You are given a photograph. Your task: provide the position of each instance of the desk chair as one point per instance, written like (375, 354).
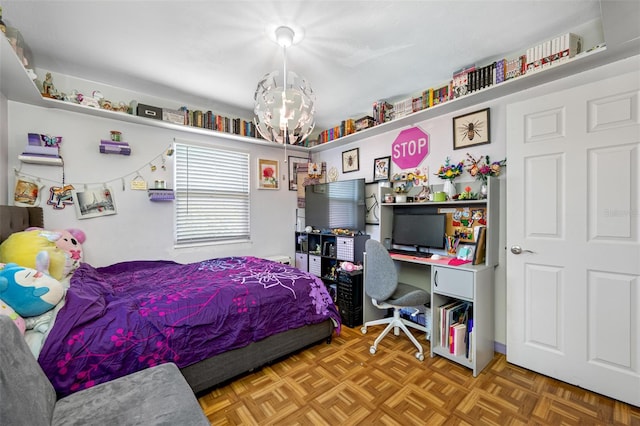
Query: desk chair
(381, 284)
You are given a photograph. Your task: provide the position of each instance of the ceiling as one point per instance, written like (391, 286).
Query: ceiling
(212, 53)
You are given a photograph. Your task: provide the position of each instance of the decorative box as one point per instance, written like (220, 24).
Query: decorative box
(364, 123)
(174, 116)
(149, 111)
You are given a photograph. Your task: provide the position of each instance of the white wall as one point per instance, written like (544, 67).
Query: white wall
(141, 229)
(4, 142)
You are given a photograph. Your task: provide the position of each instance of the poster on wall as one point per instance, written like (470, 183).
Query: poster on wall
(94, 203)
(309, 174)
(27, 193)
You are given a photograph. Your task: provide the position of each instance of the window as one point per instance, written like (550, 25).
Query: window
(212, 195)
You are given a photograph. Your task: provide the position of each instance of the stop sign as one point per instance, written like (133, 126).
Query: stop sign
(410, 148)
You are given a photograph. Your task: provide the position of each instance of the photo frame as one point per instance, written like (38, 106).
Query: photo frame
(293, 175)
(351, 160)
(471, 129)
(268, 172)
(372, 204)
(381, 167)
(94, 202)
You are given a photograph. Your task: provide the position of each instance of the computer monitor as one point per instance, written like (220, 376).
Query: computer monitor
(420, 231)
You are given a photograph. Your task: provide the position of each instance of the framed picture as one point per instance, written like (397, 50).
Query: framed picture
(381, 168)
(350, 161)
(268, 174)
(471, 129)
(94, 203)
(293, 176)
(372, 216)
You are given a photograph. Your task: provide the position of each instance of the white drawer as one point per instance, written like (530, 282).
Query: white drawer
(345, 248)
(314, 265)
(452, 282)
(301, 262)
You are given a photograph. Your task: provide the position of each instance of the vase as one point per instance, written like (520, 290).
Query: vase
(483, 190)
(449, 188)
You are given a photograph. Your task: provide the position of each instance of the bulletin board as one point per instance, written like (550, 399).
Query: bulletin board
(462, 221)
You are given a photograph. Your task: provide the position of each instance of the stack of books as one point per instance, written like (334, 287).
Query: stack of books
(113, 147)
(42, 149)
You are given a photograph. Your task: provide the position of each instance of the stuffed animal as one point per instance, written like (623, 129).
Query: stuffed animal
(28, 291)
(17, 319)
(62, 250)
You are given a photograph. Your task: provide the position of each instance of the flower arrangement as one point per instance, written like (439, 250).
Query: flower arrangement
(450, 171)
(483, 167)
(467, 194)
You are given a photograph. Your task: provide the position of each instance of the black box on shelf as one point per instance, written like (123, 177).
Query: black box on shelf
(149, 111)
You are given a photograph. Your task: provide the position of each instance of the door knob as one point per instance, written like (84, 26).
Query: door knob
(519, 250)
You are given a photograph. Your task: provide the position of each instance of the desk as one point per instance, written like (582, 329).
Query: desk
(448, 283)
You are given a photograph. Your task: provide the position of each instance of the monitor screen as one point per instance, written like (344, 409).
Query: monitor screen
(419, 230)
(337, 204)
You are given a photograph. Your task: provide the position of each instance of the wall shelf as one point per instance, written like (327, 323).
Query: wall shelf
(579, 63)
(17, 86)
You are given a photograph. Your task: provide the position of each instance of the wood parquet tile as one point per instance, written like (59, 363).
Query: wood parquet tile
(343, 384)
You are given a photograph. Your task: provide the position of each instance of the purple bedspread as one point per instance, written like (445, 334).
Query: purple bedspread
(128, 316)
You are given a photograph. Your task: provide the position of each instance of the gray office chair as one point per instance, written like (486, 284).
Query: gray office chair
(381, 284)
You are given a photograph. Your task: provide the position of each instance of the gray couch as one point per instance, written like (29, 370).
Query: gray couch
(156, 396)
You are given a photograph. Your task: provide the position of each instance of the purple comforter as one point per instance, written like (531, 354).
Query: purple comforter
(128, 316)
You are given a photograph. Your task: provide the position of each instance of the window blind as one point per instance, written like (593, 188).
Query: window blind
(212, 194)
(342, 210)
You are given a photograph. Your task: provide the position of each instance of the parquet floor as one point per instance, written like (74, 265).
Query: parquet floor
(343, 384)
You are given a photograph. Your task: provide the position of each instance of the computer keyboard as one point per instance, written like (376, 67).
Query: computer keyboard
(410, 253)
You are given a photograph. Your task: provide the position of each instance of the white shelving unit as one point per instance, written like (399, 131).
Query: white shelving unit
(16, 85)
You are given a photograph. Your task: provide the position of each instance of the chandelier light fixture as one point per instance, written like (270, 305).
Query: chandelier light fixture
(284, 102)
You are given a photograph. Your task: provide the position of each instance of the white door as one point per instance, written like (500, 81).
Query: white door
(573, 292)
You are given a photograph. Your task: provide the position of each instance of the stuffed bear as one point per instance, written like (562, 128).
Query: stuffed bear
(28, 291)
(62, 249)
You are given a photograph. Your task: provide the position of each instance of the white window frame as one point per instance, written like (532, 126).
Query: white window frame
(212, 195)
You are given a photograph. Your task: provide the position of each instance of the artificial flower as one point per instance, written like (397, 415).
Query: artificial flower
(482, 168)
(450, 171)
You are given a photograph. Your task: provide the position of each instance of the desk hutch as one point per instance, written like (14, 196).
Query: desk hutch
(448, 283)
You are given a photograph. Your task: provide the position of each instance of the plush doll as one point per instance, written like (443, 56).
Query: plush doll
(28, 291)
(11, 313)
(61, 249)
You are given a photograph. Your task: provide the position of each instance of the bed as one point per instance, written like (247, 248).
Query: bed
(215, 319)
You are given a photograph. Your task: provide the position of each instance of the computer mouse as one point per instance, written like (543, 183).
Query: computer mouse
(435, 257)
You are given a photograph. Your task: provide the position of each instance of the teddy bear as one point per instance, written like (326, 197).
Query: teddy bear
(60, 249)
(29, 291)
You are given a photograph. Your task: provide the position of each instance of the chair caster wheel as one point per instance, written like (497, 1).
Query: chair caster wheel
(364, 330)
(372, 350)
(420, 356)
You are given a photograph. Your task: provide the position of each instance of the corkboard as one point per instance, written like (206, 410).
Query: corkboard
(462, 221)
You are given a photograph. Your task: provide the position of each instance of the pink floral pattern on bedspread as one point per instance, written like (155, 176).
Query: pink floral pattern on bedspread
(128, 316)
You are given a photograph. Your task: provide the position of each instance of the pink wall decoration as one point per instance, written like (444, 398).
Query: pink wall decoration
(410, 147)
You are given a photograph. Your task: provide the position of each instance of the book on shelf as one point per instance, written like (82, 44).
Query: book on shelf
(481, 245)
(51, 151)
(458, 337)
(450, 314)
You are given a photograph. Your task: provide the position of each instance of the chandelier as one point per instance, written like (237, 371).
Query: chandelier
(284, 102)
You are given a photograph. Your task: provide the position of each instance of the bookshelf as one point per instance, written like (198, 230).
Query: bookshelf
(16, 85)
(579, 63)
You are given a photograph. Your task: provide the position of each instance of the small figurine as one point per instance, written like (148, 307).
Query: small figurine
(48, 90)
